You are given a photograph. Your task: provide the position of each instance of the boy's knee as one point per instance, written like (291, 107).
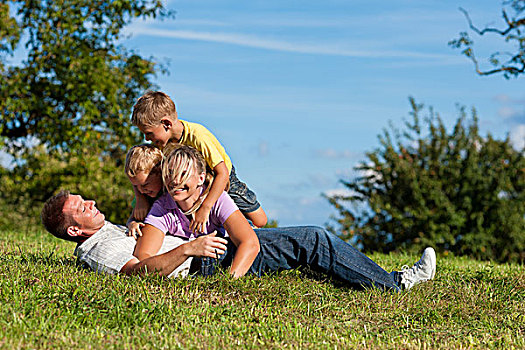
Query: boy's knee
(260, 222)
(258, 217)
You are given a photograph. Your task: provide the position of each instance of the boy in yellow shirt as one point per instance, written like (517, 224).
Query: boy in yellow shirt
(155, 115)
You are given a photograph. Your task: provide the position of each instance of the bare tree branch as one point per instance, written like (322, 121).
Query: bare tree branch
(514, 33)
(511, 24)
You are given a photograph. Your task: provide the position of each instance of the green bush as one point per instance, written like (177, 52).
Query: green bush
(459, 192)
(94, 176)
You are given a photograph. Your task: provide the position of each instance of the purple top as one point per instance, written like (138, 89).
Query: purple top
(166, 215)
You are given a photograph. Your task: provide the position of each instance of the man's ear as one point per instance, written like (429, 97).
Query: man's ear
(74, 231)
(167, 123)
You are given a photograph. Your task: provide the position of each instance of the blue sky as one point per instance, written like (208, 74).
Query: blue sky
(297, 91)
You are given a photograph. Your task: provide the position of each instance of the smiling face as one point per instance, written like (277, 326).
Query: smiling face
(185, 187)
(148, 184)
(183, 174)
(88, 219)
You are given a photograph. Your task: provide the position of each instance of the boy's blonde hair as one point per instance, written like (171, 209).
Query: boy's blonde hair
(180, 163)
(143, 158)
(151, 107)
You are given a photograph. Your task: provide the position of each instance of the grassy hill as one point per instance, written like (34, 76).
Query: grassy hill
(49, 302)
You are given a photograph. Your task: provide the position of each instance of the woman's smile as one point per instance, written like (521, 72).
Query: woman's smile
(182, 189)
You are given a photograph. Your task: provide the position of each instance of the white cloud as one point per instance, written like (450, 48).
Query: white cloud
(308, 18)
(506, 99)
(506, 112)
(334, 154)
(312, 182)
(202, 22)
(346, 174)
(340, 192)
(294, 210)
(511, 110)
(502, 98)
(308, 201)
(322, 179)
(262, 148)
(517, 136)
(281, 45)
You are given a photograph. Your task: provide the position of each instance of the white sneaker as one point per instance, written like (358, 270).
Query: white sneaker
(423, 270)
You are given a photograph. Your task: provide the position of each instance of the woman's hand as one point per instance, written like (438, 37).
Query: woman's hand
(134, 229)
(209, 246)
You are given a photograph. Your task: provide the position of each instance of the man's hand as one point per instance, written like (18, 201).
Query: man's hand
(207, 246)
(141, 207)
(134, 229)
(200, 220)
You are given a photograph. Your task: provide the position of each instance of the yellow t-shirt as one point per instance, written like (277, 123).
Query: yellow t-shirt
(200, 138)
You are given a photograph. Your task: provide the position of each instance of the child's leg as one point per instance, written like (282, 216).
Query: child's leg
(257, 217)
(246, 201)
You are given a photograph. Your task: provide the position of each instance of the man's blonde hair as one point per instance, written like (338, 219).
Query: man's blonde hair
(151, 107)
(142, 158)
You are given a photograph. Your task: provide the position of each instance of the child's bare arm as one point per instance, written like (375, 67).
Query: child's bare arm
(134, 226)
(217, 187)
(142, 205)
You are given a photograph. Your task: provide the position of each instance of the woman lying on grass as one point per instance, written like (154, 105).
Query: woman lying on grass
(186, 184)
(232, 243)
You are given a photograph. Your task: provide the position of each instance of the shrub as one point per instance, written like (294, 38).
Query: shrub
(459, 192)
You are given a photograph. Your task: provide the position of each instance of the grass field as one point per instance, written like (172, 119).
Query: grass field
(47, 301)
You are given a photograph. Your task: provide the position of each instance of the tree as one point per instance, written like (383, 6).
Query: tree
(77, 84)
(459, 192)
(510, 64)
(65, 107)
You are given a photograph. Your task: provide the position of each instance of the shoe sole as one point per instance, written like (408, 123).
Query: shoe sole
(432, 253)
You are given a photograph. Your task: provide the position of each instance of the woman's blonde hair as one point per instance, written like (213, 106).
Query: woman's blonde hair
(180, 163)
(143, 158)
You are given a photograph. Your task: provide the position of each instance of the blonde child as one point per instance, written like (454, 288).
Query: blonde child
(143, 168)
(156, 117)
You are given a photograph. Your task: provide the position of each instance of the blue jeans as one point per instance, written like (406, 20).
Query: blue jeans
(310, 246)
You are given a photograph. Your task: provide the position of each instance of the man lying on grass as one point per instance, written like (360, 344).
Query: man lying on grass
(105, 247)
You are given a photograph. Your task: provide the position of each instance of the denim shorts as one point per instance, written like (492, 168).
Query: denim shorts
(243, 197)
